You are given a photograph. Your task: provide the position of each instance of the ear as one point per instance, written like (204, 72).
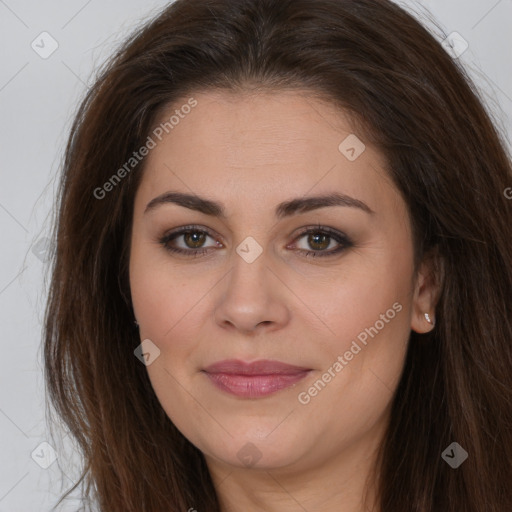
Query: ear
(426, 293)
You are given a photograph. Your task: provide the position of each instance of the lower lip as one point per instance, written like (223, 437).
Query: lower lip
(254, 386)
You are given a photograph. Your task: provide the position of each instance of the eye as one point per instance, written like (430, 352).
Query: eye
(319, 239)
(193, 238)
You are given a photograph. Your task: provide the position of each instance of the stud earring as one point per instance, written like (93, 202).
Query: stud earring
(136, 323)
(429, 320)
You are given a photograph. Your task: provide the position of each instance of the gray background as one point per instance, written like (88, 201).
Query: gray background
(37, 100)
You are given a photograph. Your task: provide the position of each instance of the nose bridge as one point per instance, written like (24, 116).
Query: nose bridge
(250, 266)
(251, 296)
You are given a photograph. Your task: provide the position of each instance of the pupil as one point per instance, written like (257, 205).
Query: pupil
(195, 235)
(319, 240)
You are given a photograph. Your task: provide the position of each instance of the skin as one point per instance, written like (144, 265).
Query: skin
(250, 152)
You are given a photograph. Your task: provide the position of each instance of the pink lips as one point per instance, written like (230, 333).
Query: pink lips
(253, 380)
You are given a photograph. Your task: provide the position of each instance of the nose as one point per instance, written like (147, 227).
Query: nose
(253, 298)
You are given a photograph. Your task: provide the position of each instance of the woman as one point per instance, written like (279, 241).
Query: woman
(283, 268)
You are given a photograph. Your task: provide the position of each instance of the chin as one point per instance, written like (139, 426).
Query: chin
(258, 450)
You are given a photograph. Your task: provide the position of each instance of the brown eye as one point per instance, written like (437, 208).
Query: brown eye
(318, 241)
(194, 239)
(189, 241)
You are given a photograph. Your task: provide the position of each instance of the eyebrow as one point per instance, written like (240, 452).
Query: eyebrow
(284, 209)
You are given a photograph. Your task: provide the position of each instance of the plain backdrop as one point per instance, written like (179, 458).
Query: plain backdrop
(38, 98)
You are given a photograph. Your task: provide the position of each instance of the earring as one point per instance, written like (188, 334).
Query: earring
(136, 323)
(430, 320)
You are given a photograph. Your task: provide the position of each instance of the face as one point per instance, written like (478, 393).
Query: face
(268, 274)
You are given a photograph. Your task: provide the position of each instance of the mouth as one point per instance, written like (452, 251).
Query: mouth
(254, 380)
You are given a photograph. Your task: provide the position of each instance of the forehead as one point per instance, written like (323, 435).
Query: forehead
(266, 125)
(262, 147)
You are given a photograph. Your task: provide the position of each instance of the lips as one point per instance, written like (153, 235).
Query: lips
(256, 379)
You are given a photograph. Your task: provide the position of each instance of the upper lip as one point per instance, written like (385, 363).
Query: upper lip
(261, 367)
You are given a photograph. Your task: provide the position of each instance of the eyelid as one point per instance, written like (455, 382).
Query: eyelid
(176, 233)
(343, 241)
(319, 228)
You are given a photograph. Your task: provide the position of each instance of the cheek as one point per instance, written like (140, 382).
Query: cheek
(354, 299)
(168, 309)
(362, 363)
(164, 303)
(160, 296)
(365, 315)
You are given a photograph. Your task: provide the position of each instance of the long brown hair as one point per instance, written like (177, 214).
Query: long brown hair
(410, 99)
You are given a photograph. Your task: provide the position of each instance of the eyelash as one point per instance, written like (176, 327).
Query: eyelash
(339, 237)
